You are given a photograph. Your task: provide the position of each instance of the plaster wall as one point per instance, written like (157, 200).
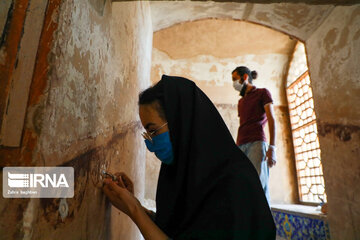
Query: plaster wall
(85, 116)
(206, 51)
(4, 11)
(293, 18)
(13, 120)
(333, 56)
(296, 19)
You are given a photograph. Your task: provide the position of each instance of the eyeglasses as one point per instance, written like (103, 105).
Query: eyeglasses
(151, 134)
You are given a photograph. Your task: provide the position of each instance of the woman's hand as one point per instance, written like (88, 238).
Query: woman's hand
(121, 197)
(129, 185)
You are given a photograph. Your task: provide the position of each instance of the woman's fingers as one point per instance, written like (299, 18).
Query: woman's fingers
(113, 193)
(126, 181)
(119, 174)
(120, 182)
(110, 184)
(110, 191)
(120, 197)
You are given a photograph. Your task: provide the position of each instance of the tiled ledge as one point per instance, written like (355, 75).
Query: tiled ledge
(294, 221)
(300, 210)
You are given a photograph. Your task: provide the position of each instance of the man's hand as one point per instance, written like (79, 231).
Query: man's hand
(271, 156)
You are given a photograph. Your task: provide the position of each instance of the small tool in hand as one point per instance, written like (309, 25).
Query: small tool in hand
(113, 177)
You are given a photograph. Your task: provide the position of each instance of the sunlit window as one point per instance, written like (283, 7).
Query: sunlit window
(304, 130)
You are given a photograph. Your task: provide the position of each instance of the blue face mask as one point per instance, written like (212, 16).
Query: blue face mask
(161, 146)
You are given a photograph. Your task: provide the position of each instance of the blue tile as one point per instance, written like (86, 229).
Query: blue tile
(294, 227)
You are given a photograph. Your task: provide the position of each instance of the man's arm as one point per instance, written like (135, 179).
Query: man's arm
(271, 153)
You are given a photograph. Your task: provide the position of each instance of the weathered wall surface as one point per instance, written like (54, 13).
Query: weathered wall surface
(12, 121)
(333, 54)
(5, 11)
(296, 19)
(207, 51)
(93, 58)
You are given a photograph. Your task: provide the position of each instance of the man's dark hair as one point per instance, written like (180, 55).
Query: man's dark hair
(244, 70)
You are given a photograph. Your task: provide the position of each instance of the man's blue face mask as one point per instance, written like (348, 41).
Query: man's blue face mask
(161, 146)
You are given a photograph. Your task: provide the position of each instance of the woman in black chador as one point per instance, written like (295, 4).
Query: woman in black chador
(207, 188)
